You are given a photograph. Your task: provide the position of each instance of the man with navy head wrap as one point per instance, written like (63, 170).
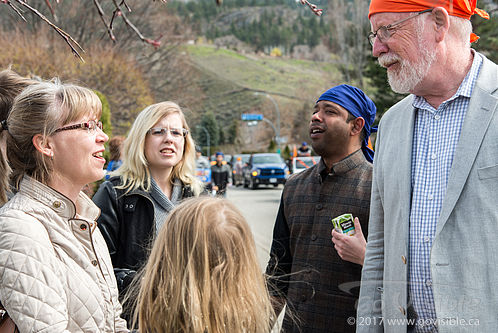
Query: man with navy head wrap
(358, 105)
(317, 278)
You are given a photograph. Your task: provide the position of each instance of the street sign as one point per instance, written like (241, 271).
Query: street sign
(251, 117)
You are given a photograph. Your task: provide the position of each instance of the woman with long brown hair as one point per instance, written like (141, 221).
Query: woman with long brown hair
(11, 85)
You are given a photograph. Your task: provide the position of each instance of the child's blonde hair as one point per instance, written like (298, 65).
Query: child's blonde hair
(203, 274)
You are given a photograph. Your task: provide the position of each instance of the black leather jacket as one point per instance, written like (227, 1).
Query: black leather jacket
(127, 224)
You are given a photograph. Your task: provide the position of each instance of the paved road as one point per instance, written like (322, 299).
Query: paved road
(259, 207)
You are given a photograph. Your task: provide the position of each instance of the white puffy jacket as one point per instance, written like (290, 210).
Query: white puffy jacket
(55, 270)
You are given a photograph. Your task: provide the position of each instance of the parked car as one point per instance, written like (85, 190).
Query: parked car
(266, 169)
(203, 170)
(238, 168)
(301, 163)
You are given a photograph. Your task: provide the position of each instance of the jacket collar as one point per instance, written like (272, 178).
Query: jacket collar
(343, 166)
(58, 202)
(186, 190)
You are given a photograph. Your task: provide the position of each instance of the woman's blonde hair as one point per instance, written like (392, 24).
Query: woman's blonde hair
(134, 171)
(11, 85)
(203, 274)
(42, 108)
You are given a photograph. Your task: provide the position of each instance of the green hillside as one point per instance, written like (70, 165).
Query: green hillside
(282, 76)
(229, 81)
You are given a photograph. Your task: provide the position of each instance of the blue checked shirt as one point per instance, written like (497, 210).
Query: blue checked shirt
(435, 137)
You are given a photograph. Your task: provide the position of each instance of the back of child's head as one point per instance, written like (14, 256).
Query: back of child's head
(203, 274)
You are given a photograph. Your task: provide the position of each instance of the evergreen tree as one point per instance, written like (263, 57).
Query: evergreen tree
(105, 118)
(383, 97)
(233, 131)
(487, 30)
(272, 147)
(286, 154)
(221, 136)
(208, 121)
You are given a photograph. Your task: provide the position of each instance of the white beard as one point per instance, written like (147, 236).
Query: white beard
(409, 75)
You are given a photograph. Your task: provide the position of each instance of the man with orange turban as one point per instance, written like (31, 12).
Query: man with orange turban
(430, 263)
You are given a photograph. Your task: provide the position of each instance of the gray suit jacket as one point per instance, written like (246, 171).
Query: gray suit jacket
(464, 255)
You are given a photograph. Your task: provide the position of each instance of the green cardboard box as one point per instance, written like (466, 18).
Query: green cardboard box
(344, 223)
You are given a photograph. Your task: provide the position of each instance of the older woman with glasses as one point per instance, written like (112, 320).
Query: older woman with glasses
(158, 171)
(56, 272)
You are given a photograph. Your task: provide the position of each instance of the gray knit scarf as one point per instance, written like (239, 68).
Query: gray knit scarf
(162, 204)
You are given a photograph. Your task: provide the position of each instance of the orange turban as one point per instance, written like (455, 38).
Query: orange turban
(460, 8)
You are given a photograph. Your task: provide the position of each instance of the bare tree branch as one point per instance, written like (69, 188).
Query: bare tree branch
(67, 38)
(118, 12)
(49, 5)
(313, 7)
(102, 17)
(14, 8)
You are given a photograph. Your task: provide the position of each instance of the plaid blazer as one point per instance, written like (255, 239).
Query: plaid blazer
(320, 288)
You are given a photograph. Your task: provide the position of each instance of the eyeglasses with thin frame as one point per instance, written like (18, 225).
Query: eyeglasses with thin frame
(91, 126)
(176, 133)
(384, 32)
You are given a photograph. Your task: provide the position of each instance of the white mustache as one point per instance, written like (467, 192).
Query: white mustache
(386, 59)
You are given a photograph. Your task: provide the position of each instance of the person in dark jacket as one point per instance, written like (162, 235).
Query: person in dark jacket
(220, 175)
(318, 278)
(158, 171)
(304, 150)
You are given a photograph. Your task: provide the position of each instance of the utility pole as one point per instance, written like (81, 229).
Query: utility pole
(208, 139)
(277, 130)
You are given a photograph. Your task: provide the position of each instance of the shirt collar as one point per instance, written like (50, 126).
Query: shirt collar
(468, 83)
(343, 166)
(465, 88)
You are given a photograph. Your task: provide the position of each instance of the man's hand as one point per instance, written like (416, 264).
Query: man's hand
(215, 187)
(350, 248)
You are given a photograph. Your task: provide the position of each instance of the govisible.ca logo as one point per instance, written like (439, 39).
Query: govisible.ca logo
(428, 322)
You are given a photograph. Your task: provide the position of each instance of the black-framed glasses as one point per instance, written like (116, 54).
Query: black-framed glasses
(384, 32)
(91, 126)
(176, 133)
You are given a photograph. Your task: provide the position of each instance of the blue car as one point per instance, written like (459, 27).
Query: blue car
(265, 169)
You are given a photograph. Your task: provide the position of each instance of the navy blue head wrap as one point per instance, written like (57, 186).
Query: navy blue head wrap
(359, 105)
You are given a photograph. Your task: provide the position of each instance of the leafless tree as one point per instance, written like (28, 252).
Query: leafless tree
(108, 13)
(350, 23)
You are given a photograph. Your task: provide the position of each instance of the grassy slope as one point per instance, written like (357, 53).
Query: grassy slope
(284, 76)
(223, 75)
